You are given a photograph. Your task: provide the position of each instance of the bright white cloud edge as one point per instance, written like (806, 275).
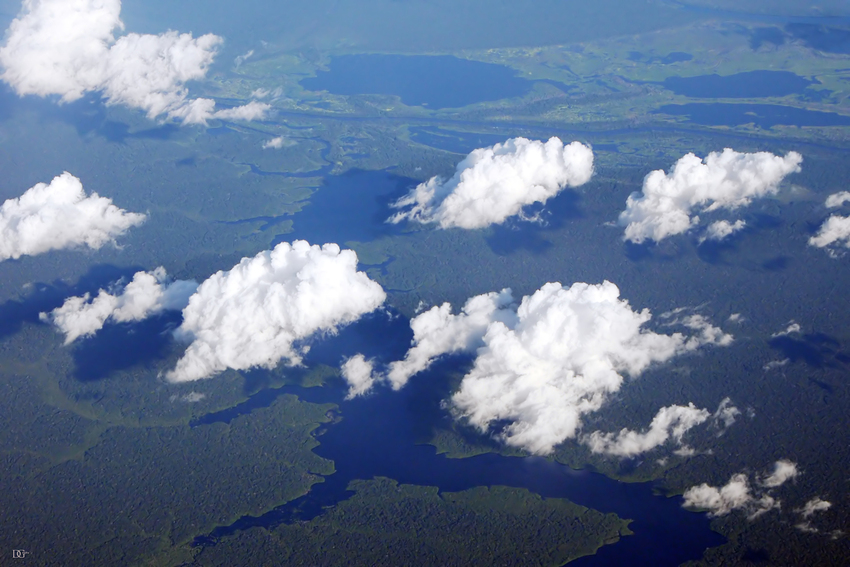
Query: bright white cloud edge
(261, 311)
(495, 183)
(60, 215)
(68, 48)
(543, 364)
(724, 180)
(147, 294)
(738, 494)
(670, 424)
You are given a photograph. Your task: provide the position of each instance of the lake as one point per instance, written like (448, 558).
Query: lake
(350, 207)
(379, 435)
(752, 84)
(438, 81)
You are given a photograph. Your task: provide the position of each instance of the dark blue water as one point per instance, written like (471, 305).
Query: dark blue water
(762, 115)
(440, 81)
(378, 436)
(669, 59)
(752, 84)
(350, 207)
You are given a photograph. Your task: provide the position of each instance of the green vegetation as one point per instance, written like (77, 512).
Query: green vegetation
(385, 523)
(108, 471)
(143, 493)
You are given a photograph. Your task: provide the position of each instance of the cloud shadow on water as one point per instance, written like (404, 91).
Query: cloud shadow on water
(352, 206)
(87, 115)
(123, 346)
(46, 297)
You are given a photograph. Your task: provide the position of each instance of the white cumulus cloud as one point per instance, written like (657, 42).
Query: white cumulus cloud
(670, 423)
(837, 199)
(734, 495)
(277, 143)
(792, 328)
(252, 111)
(566, 354)
(560, 356)
(68, 48)
(737, 494)
(147, 294)
(726, 414)
(543, 364)
(358, 372)
(724, 180)
(492, 184)
(59, 215)
(783, 471)
(813, 506)
(722, 229)
(438, 331)
(261, 310)
(834, 231)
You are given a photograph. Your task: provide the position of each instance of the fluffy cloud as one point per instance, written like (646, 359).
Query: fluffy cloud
(359, 373)
(492, 184)
(735, 495)
(814, 505)
(738, 495)
(563, 358)
(783, 471)
(542, 365)
(438, 331)
(726, 414)
(277, 143)
(148, 294)
(68, 48)
(670, 422)
(834, 231)
(257, 313)
(60, 215)
(792, 328)
(722, 229)
(837, 199)
(725, 180)
(252, 111)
